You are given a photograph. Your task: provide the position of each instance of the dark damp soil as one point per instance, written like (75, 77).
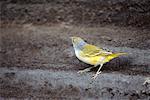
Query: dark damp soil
(86, 12)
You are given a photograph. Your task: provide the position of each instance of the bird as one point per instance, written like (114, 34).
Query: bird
(92, 55)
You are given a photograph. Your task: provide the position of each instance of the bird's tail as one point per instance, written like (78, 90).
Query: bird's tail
(114, 55)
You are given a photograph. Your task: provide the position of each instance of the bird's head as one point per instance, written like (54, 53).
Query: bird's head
(77, 42)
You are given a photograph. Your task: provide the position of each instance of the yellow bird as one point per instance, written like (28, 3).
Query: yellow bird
(91, 54)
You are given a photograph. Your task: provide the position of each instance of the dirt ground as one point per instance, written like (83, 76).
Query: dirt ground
(37, 60)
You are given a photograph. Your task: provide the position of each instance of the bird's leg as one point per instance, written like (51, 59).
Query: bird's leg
(85, 70)
(98, 71)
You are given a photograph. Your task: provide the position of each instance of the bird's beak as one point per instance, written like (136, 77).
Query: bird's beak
(71, 38)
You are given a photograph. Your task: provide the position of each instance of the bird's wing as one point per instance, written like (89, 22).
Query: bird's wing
(91, 50)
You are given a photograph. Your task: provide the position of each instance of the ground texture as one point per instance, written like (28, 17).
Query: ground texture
(37, 60)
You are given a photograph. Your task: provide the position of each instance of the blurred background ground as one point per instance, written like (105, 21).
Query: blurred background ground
(37, 59)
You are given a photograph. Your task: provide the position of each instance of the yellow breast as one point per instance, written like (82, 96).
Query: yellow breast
(95, 60)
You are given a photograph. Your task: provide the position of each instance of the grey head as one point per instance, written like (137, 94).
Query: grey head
(78, 43)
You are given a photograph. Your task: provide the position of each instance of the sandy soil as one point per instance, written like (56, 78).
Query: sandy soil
(38, 61)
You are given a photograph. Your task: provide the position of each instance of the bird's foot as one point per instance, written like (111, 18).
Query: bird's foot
(84, 70)
(81, 72)
(94, 76)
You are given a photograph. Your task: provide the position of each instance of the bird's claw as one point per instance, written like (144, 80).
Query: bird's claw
(94, 76)
(80, 72)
